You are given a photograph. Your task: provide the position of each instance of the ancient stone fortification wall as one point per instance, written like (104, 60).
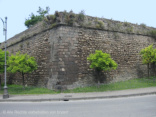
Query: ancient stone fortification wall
(61, 52)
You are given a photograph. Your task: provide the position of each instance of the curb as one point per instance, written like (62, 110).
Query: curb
(76, 98)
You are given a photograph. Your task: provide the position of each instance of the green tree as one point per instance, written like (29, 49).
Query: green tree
(148, 55)
(2, 62)
(21, 63)
(101, 62)
(33, 19)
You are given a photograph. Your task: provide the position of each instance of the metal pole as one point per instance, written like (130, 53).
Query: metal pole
(5, 95)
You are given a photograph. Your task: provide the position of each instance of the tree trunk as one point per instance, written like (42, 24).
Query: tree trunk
(154, 73)
(98, 78)
(148, 69)
(154, 69)
(23, 80)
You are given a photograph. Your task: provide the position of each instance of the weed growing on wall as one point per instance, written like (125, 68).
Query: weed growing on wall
(50, 19)
(129, 30)
(33, 19)
(81, 16)
(126, 24)
(143, 25)
(152, 33)
(99, 24)
(70, 18)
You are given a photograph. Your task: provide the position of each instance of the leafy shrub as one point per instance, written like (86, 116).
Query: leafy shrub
(33, 19)
(21, 63)
(148, 55)
(101, 62)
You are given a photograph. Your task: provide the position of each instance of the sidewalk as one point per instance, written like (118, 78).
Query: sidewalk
(79, 96)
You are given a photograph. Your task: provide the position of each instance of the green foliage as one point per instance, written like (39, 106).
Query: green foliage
(122, 85)
(43, 12)
(21, 63)
(101, 61)
(99, 24)
(33, 19)
(17, 90)
(2, 60)
(148, 55)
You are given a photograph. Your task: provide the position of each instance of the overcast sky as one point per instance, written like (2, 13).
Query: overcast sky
(134, 11)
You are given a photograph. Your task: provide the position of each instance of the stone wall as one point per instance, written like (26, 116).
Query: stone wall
(35, 45)
(61, 52)
(124, 49)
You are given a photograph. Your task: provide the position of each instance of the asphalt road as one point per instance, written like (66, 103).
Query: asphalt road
(141, 106)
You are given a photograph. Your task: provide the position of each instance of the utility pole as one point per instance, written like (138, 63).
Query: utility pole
(5, 95)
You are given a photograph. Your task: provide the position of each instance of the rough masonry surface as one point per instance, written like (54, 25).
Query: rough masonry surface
(61, 53)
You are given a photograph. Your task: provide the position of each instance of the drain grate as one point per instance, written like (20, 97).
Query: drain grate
(66, 97)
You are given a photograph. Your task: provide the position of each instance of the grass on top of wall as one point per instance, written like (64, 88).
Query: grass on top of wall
(123, 85)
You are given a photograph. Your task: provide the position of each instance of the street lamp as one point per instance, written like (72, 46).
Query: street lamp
(5, 95)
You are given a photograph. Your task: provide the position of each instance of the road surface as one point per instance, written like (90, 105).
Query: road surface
(141, 106)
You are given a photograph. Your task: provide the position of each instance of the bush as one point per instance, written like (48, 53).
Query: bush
(21, 63)
(101, 62)
(148, 55)
(33, 19)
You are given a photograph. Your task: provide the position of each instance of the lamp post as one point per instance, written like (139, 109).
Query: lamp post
(5, 95)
